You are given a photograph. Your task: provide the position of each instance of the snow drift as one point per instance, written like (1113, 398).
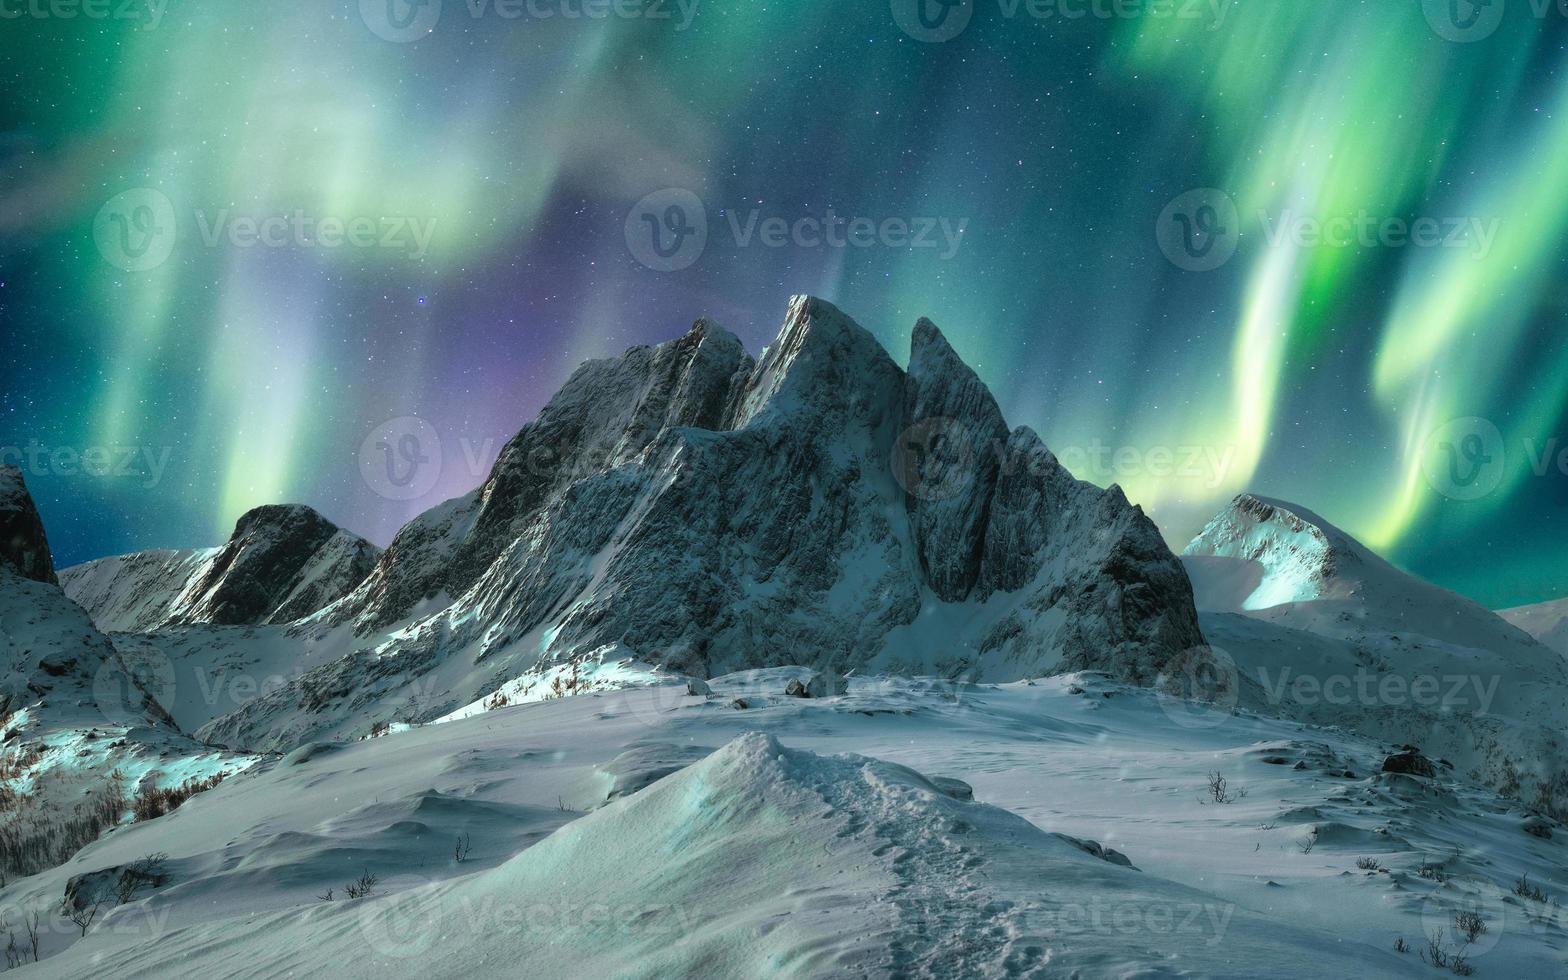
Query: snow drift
(757, 861)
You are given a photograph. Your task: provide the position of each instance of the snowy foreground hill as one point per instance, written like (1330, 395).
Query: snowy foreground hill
(796, 666)
(651, 833)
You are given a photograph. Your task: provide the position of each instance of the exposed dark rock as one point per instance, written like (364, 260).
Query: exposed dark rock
(22, 539)
(282, 563)
(1411, 763)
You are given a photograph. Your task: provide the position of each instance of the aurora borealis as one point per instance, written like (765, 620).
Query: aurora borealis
(258, 358)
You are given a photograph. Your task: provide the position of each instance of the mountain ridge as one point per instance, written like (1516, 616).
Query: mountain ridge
(699, 510)
(282, 563)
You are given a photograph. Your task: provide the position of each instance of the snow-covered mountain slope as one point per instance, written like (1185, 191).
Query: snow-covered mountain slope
(772, 857)
(706, 512)
(1284, 559)
(22, 542)
(1318, 627)
(73, 714)
(1546, 621)
(282, 563)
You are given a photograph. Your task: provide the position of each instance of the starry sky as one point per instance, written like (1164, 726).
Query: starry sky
(1314, 250)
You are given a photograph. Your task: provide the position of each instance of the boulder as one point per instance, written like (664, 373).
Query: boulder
(1411, 763)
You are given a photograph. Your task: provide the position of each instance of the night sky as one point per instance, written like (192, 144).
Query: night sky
(237, 239)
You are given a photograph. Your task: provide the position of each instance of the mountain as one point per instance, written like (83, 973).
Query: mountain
(1317, 627)
(82, 730)
(1546, 621)
(22, 541)
(52, 654)
(698, 510)
(1262, 554)
(282, 563)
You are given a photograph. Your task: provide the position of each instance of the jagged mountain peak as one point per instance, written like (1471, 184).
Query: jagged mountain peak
(822, 365)
(708, 331)
(22, 539)
(686, 506)
(282, 519)
(928, 343)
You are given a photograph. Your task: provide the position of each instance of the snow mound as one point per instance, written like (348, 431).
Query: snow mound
(757, 861)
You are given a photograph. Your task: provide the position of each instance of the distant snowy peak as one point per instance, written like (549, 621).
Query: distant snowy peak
(1546, 621)
(282, 563)
(22, 540)
(1268, 557)
(1296, 556)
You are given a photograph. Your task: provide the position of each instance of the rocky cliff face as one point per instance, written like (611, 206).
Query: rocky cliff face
(690, 507)
(52, 660)
(282, 563)
(22, 541)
